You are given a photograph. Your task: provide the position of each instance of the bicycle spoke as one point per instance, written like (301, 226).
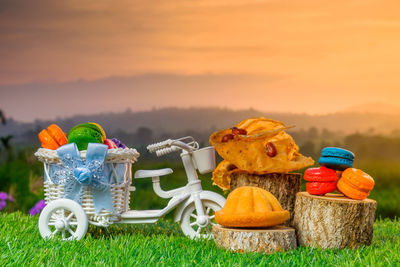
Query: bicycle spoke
(208, 210)
(54, 216)
(73, 223)
(211, 217)
(69, 216)
(193, 215)
(70, 231)
(55, 232)
(62, 214)
(63, 234)
(193, 223)
(198, 230)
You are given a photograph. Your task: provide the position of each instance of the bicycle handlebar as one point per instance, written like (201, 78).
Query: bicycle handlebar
(154, 147)
(165, 151)
(169, 146)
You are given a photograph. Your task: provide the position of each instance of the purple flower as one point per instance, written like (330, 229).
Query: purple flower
(33, 211)
(2, 204)
(3, 199)
(3, 196)
(41, 204)
(37, 208)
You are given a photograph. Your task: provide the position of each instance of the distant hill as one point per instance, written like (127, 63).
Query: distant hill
(374, 108)
(174, 120)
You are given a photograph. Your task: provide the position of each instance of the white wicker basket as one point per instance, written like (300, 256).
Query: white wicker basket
(118, 160)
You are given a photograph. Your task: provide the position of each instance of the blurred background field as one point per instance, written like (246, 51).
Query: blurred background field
(21, 174)
(149, 71)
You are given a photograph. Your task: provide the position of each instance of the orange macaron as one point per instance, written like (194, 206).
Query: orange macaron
(52, 137)
(355, 183)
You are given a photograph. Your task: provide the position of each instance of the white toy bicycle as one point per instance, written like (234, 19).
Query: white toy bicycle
(194, 207)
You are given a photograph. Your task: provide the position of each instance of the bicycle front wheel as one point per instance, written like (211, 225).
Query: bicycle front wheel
(189, 224)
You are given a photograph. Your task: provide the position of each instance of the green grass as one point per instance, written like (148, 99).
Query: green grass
(163, 244)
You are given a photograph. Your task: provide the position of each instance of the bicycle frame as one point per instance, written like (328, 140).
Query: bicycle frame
(192, 189)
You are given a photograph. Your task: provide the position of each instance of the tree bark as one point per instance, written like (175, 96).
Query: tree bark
(333, 221)
(284, 186)
(268, 240)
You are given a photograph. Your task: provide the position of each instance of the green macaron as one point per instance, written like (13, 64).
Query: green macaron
(85, 133)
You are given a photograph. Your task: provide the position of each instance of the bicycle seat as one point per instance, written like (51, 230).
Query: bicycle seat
(152, 173)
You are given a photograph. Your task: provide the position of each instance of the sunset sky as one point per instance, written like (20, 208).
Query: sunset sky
(60, 58)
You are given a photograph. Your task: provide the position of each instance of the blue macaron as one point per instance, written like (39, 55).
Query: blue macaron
(336, 158)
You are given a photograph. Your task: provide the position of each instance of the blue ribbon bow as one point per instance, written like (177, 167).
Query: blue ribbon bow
(76, 175)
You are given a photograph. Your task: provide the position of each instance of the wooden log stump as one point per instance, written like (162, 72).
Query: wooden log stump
(284, 186)
(333, 221)
(268, 240)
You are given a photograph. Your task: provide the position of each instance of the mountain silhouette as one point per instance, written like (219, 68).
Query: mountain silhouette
(206, 120)
(374, 108)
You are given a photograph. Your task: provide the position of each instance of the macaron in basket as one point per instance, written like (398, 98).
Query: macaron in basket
(82, 134)
(52, 137)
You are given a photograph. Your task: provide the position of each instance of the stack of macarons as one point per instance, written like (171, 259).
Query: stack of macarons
(82, 134)
(353, 183)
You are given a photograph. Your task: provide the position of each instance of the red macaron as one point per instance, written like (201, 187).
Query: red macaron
(321, 180)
